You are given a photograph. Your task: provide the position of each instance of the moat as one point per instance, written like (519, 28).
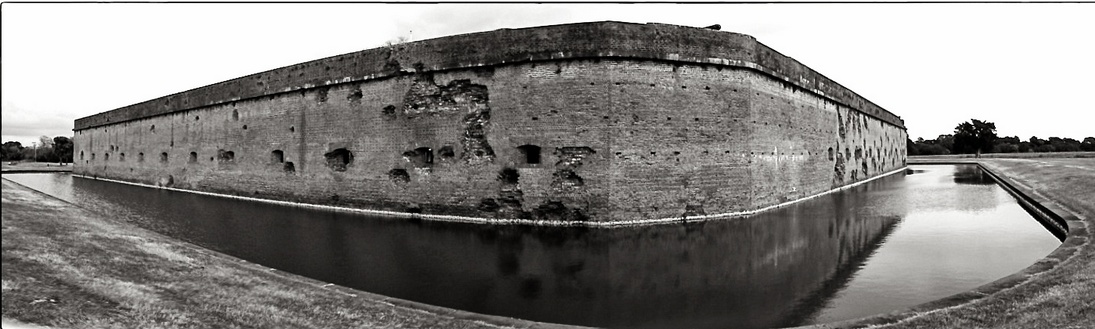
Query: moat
(885, 245)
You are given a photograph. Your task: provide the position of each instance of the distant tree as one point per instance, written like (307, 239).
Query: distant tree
(1044, 148)
(934, 149)
(946, 142)
(12, 151)
(930, 147)
(62, 148)
(1088, 144)
(1064, 144)
(1025, 147)
(1036, 142)
(45, 141)
(974, 136)
(1008, 140)
(41, 154)
(1007, 145)
(1005, 148)
(911, 148)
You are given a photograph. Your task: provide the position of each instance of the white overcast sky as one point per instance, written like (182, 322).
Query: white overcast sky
(1027, 67)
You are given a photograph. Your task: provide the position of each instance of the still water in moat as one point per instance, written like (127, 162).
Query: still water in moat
(886, 245)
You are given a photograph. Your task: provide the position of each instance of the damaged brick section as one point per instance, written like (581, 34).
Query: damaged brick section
(399, 176)
(338, 159)
(842, 129)
(426, 98)
(556, 211)
(838, 169)
(355, 96)
(565, 177)
(321, 94)
(693, 210)
(389, 112)
(476, 148)
(510, 196)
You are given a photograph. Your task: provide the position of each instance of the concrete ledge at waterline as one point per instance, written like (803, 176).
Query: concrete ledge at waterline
(71, 261)
(1055, 291)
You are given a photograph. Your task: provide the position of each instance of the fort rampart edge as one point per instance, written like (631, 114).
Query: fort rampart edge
(605, 40)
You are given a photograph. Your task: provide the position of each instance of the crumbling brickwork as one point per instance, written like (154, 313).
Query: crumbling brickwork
(577, 137)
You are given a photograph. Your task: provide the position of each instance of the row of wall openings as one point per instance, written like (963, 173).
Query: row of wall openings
(423, 156)
(277, 156)
(340, 158)
(652, 85)
(222, 156)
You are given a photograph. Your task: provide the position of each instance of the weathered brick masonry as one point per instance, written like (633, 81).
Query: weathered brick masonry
(596, 122)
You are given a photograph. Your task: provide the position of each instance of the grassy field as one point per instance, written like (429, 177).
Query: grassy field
(27, 166)
(1056, 292)
(66, 267)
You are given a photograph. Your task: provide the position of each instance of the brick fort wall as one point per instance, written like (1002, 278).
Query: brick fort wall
(582, 123)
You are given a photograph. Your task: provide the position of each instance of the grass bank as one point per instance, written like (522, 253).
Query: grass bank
(30, 166)
(64, 266)
(1056, 291)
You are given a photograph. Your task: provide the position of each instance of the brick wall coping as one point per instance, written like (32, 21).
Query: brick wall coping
(595, 40)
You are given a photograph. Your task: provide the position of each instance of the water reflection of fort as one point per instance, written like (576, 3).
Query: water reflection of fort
(776, 268)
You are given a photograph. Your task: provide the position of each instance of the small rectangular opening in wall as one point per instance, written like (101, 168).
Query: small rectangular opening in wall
(530, 154)
(399, 176)
(426, 154)
(225, 156)
(446, 152)
(420, 157)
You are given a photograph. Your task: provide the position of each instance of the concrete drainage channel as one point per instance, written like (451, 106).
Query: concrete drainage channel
(1062, 223)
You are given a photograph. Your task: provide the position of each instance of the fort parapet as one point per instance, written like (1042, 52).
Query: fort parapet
(595, 123)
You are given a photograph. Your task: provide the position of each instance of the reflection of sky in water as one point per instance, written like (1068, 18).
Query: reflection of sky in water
(960, 235)
(944, 231)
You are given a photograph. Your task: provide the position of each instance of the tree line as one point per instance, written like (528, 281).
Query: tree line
(976, 137)
(56, 149)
